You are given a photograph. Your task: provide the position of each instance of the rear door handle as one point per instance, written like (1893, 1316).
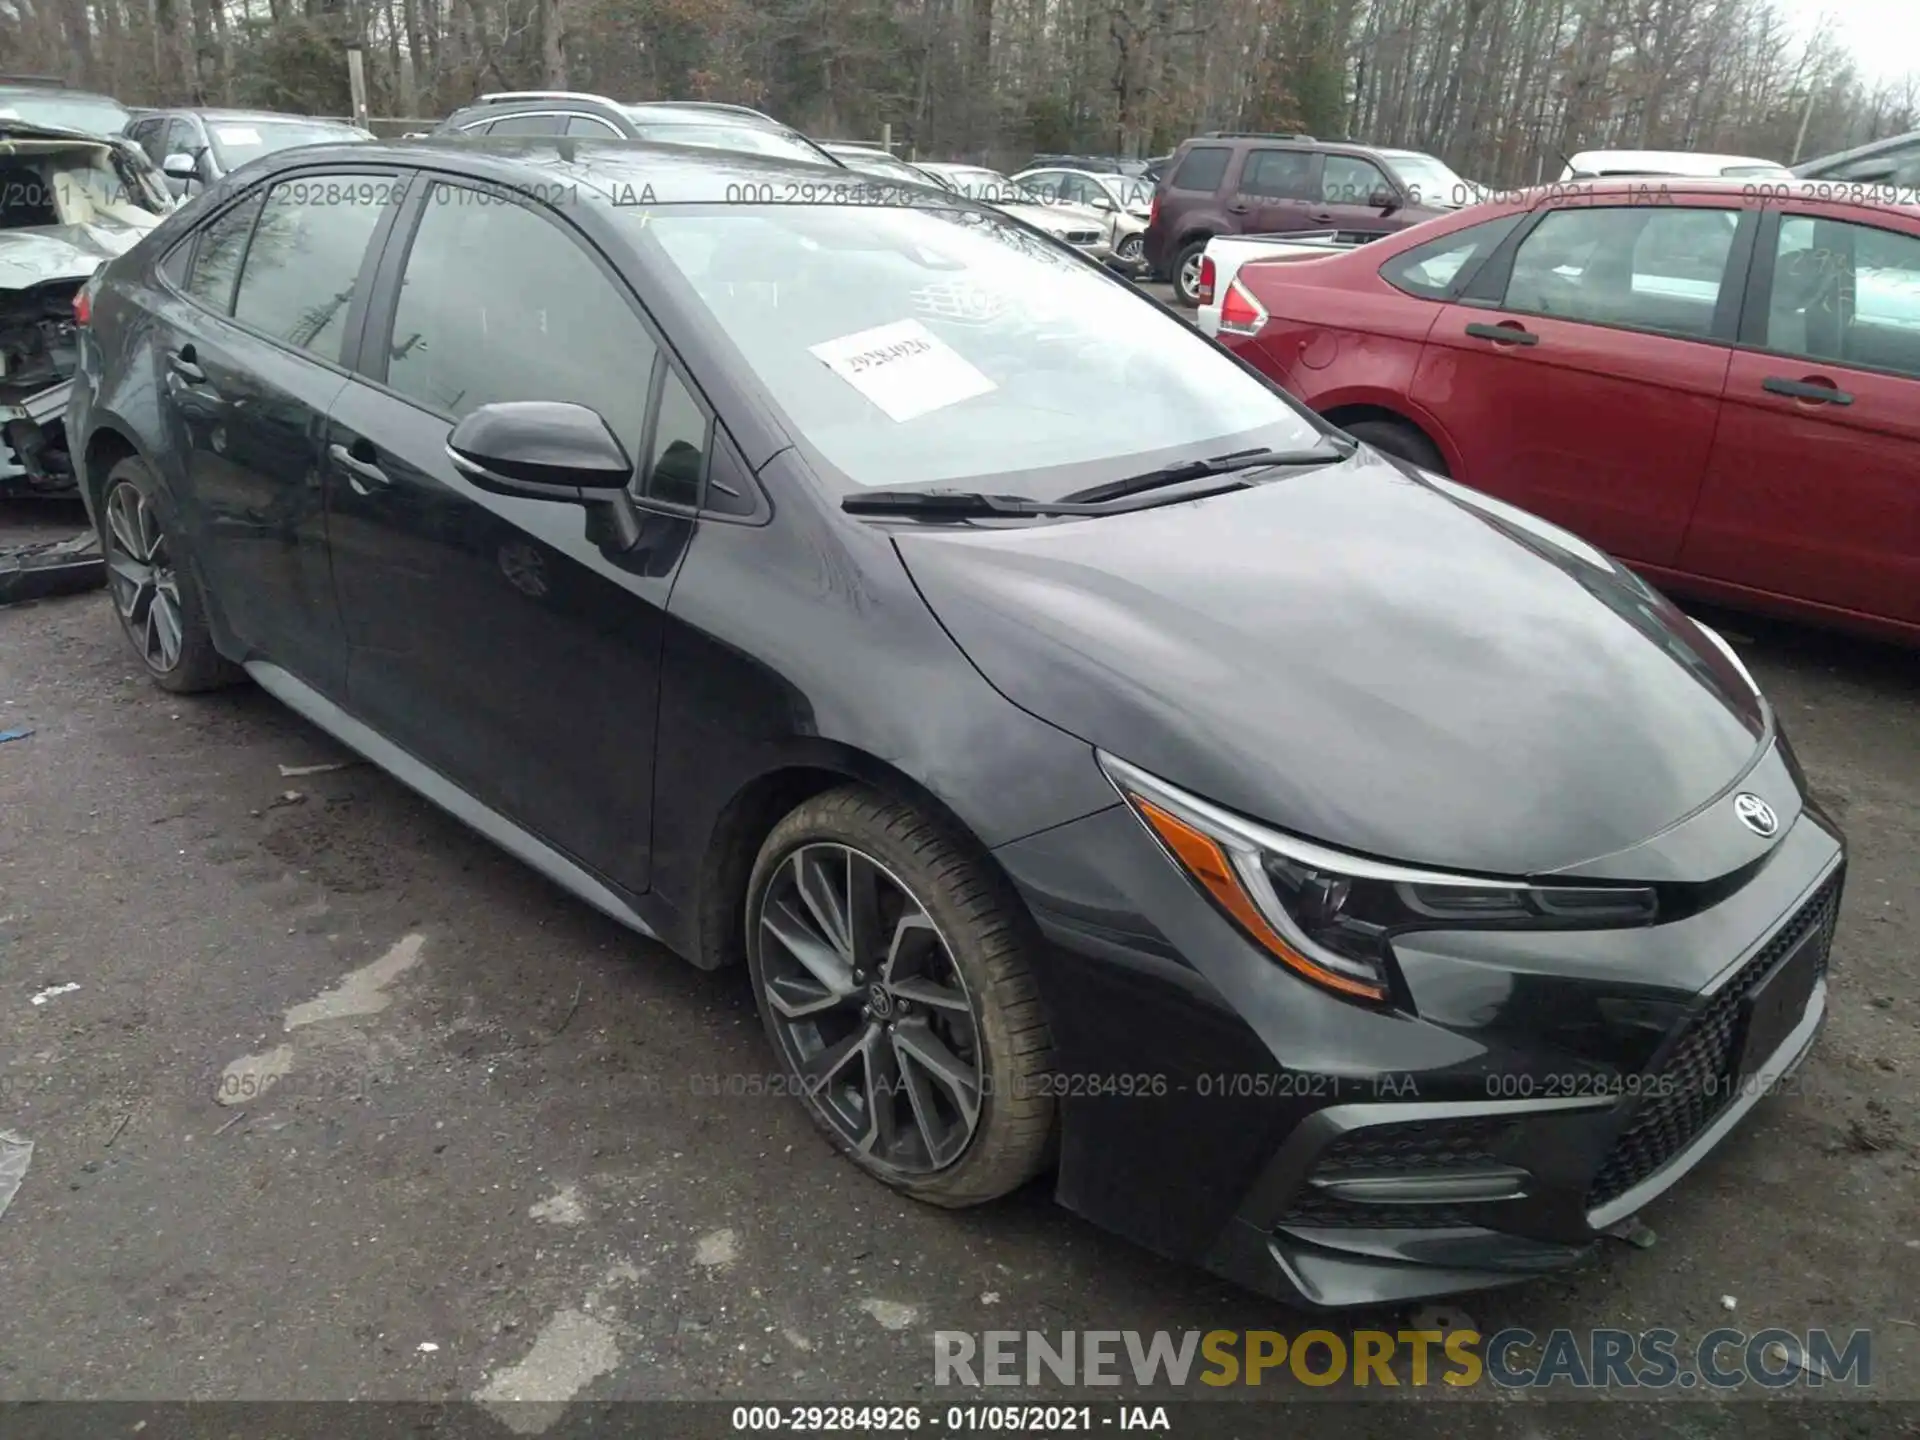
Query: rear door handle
(185, 364)
(358, 470)
(1822, 393)
(1503, 334)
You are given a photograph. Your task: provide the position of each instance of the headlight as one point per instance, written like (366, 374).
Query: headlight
(1330, 917)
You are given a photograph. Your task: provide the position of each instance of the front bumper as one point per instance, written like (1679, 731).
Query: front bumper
(1542, 1087)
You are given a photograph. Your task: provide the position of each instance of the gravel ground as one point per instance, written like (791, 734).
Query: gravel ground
(491, 1165)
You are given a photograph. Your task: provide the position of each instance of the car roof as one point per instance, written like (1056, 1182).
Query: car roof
(615, 170)
(1653, 159)
(1858, 152)
(206, 113)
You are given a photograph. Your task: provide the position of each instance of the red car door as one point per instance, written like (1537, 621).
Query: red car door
(1586, 385)
(1813, 490)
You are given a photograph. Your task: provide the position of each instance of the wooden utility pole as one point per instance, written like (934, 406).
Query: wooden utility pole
(357, 83)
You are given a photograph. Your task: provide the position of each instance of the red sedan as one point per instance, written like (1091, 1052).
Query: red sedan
(1717, 381)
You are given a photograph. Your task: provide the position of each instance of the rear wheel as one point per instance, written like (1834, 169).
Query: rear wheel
(1401, 440)
(891, 969)
(1186, 273)
(153, 588)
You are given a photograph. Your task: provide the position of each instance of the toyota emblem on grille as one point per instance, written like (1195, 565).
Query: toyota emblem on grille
(1756, 814)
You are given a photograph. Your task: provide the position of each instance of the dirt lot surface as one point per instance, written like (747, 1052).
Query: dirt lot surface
(492, 1163)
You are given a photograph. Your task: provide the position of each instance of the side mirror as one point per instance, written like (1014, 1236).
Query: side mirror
(540, 450)
(1385, 201)
(181, 166)
(1104, 202)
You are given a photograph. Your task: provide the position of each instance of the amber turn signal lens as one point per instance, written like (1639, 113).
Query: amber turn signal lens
(1203, 859)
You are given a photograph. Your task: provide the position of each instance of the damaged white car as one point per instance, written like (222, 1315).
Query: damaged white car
(69, 202)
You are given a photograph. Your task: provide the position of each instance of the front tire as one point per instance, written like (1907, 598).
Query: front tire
(891, 968)
(153, 587)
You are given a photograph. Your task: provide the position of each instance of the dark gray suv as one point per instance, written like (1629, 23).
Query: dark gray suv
(669, 122)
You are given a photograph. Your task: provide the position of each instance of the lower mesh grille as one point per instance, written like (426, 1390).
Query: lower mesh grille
(1397, 1149)
(1697, 1081)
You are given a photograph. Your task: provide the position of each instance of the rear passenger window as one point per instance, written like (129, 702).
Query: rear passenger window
(1644, 267)
(1439, 269)
(1278, 174)
(590, 126)
(216, 255)
(305, 258)
(1847, 294)
(1203, 169)
(499, 303)
(529, 125)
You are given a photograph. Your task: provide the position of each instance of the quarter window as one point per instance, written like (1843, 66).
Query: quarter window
(1644, 267)
(1278, 174)
(1435, 270)
(1203, 169)
(217, 253)
(591, 126)
(499, 303)
(1847, 294)
(529, 125)
(305, 258)
(678, 463)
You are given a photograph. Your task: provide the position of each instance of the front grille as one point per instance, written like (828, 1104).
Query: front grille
(1083, 237)
(1696, 1082)
(1397, 1149)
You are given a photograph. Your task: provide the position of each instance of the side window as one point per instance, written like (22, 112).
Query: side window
(305, 258)
(1203, 169)
(1431, 270)
(150, 135)
(174, 266)
(529, 125)
(1900, 166)
(591, 126)
(1349, 180)
(181, 139)
(1848, 294)
(1650, 268)
(216, 255)
(678, 463)
(1278, 174)
(483, 127)
(499, 303)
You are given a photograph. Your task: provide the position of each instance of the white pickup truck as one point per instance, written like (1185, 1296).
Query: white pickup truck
(1225, 254)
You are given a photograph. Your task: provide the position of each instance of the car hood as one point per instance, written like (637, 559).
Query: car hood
(1386, 663)
(1052, 218)
(42, 253)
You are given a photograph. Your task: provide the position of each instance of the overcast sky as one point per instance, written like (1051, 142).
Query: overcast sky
(1883, 34)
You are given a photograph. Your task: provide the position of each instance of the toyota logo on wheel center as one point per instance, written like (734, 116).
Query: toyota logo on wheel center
(1756, 814)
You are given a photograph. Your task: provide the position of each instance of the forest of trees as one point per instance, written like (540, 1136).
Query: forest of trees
(1498, 88)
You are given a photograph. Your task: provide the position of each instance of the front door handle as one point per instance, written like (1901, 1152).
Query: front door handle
(1820, 392)
(184, 363)
(1239, 207)
(1321, 217)
(1508, 334)
(360, 473)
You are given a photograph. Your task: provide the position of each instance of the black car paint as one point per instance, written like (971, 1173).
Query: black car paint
(786, 647)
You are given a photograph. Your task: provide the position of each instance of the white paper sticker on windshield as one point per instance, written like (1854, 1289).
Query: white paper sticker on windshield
(8, 113)
(236, 134)
(904, 368)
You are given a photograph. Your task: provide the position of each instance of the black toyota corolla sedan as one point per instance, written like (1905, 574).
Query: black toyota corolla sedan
(1327, 874)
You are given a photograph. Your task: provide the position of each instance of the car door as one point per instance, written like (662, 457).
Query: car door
(1813, 489)
(272, 300)
(1580, 374)
(1351, 187)
(491, 637)
(1276, 191)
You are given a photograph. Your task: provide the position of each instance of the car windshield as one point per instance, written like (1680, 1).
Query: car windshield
(94, 114)
(237, 141)
(929, 344)
(1429, 181)
(719, 135)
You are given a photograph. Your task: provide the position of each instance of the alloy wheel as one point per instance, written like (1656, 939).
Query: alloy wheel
(1131, 247)
(1190, 275)
(870, 1008)
(146, 588)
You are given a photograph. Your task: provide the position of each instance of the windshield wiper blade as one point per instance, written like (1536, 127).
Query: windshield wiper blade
(954, 504)
(1328, 453)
